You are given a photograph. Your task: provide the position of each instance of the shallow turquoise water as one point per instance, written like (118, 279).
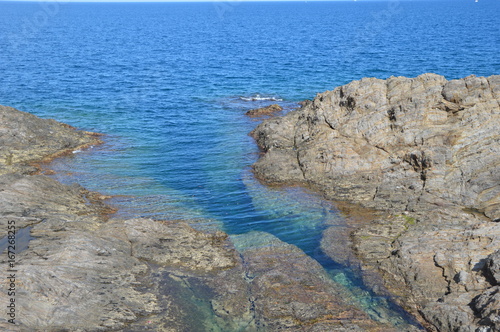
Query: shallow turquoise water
(169, 84)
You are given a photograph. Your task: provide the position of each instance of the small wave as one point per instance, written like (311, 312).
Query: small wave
(258, 97)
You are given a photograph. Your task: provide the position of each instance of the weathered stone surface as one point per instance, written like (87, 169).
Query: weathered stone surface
(79, 279)
(268, 110)
(175, 244)
(425, 151)
(28, 200)
(386, 143)
(445, 317)
(194, 294)
(271, 286)
(487, 306)
(78, 273)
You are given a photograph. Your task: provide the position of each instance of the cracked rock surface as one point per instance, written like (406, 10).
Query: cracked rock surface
(425, 153)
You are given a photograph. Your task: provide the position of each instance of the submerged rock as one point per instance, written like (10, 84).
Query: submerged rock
(291, 291)
(425, 152)
(268, 110)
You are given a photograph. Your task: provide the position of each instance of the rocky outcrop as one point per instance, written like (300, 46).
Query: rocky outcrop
(86, 271)
(25, 138)
(425, 153)
(78, 272)
(268, 110)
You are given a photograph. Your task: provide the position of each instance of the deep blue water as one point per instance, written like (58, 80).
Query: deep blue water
(170, 82)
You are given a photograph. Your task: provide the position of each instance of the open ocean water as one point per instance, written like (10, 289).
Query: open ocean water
(169, 84)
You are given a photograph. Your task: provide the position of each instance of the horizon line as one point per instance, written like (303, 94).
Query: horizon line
(204, 1)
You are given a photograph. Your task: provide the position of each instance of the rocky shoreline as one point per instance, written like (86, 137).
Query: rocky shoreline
(85, 270)
(422, 156)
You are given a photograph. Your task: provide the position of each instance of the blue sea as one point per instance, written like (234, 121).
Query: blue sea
(169, 83)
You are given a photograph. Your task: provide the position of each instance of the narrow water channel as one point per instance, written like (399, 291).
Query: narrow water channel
(208, 181)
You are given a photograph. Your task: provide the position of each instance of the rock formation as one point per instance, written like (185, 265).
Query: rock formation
(25, 138)
(425, 153)
(86, 271)
(268, 110)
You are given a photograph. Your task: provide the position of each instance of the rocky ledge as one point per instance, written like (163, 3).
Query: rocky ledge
(86, 271)
(26, 139)
(424, 155)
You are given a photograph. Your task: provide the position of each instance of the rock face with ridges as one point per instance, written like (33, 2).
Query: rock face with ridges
(391, 142)
(426, 152)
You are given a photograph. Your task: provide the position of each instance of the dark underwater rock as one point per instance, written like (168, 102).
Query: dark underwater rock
(268, 110)
(291, 291)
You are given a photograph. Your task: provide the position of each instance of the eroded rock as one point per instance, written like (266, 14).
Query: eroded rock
(493, 266)
(425, 152)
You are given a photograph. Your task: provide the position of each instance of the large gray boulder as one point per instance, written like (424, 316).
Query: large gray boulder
(389, 143)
